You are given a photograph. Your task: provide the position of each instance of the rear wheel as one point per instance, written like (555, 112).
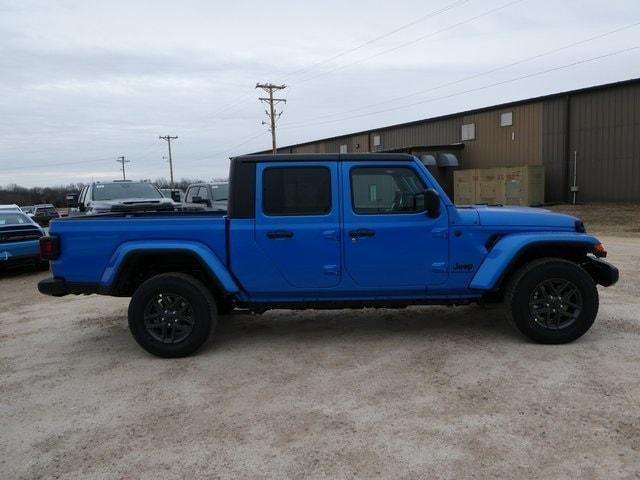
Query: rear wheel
(171, 315)
(552, 301)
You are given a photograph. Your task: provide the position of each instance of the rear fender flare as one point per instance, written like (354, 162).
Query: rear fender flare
(509, 248)
(203, 253)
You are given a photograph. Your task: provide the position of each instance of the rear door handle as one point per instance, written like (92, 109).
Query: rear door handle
(362, 232)
(279, 234)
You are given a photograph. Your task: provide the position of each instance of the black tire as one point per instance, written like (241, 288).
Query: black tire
(573, 303)
(190, 309)
(225, 306)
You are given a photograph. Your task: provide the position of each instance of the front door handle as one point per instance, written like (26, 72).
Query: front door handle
(279, 234)
(362, 232)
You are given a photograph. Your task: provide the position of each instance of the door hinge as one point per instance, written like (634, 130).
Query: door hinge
(331, 270)
(440, 233)
(439, 267)
(331, 234)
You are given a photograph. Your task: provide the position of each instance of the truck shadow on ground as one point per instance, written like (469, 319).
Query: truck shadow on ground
(468, 325)
(17, 271)
(469, 322)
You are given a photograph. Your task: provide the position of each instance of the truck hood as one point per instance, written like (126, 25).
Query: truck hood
(124, 204)
(524, 217)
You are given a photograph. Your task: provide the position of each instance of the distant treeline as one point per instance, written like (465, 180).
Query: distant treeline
(32, 196)
(23, 196)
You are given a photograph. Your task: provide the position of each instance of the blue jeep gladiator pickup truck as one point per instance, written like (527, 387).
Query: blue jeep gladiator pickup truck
(329, 231)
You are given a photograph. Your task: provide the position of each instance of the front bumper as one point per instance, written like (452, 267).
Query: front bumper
(602, 272)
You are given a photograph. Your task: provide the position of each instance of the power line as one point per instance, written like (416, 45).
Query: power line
(474, 76)
(168, 139)
(410, 42)
(122, 160)
(484, 87)
(224, 152)
(429, 15)
(271, 113)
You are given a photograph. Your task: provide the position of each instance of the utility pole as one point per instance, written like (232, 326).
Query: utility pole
(123, 161)
(168, 138)
(271, 113)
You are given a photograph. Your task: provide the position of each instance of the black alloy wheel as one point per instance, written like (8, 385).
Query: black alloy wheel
(555, 303)
(168, 317)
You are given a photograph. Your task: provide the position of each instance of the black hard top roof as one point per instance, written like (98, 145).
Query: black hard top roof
(324, 157)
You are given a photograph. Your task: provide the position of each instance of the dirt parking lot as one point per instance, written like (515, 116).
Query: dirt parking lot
(425, 392)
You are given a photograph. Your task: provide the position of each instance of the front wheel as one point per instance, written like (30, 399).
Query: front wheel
(171, 315)
(552, 301)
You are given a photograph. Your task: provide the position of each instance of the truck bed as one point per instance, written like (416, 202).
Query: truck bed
(91, 243)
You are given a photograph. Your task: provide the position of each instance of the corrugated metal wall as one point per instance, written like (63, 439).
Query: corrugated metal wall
(438, 132)
(554, 148)
(604, 131)
(496, 146)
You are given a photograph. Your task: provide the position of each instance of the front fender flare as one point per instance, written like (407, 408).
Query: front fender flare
(209, 259)
(509, 248)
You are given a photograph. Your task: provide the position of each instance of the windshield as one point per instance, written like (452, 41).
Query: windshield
(14, 219)
(121, 190)
(46, 210)
(220, 192)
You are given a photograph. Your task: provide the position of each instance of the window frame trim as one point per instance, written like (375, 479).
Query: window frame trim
(408, 167)
(274, 167)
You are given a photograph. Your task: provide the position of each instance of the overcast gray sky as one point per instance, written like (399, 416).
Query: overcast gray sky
(82, 82)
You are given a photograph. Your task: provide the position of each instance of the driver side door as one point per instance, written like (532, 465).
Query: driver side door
(389, 239)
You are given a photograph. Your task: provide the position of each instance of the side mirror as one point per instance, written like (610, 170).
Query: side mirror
(204, 201)
(175, 196)
(432, 202)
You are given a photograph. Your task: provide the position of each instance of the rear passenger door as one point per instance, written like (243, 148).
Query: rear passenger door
(297, 221)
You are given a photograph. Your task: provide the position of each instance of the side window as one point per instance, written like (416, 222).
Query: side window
(296, 191)
(386, 190)
(191, 192)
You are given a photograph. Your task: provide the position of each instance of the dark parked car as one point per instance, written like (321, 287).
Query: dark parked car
(43, 214)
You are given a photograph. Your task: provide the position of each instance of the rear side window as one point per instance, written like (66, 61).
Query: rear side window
(296, 191)
(220, 192)
(386, 190)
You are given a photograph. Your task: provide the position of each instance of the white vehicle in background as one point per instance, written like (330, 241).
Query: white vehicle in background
(175, 194)
(10, 208)
(123, 196)
(211, 195)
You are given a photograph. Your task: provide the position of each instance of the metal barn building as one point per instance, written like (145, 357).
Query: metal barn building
(598, 127)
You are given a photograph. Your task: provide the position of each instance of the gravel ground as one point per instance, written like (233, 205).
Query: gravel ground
(418, 393)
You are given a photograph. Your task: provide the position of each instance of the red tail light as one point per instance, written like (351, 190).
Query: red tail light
(49, 247)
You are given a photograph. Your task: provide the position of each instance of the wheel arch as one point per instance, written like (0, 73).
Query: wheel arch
(132, 265)
(509, 254)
